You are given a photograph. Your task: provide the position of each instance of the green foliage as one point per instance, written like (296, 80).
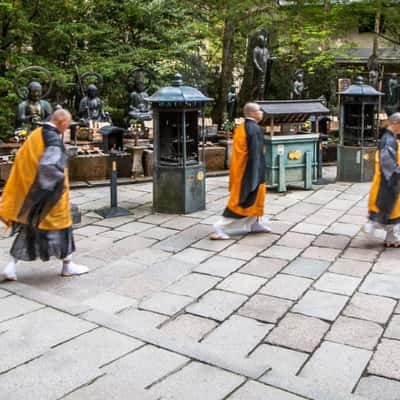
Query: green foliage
(168, 36)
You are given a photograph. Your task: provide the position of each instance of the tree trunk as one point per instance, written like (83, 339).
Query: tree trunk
(226, 77)
(378, 14)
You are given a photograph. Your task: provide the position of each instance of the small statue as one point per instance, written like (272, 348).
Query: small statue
(32, 111)
(231, 103)
(91, 107)
(138, 108)
(392, 95)
(298, 85)
(261, 58)
(373, 76)
(393, 90)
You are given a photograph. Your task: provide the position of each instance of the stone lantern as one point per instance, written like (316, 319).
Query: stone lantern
(179, 149)
(358, 132)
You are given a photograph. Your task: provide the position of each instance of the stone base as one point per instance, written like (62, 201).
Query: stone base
(215, 158)
(5, 169)
(89, 167)
(148, 162)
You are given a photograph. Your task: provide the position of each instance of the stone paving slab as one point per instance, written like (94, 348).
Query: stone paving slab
(306, 388)
(355, 332)
(339, 228)
(336, 366)
(296, 240)
(255, 391)
(264, 267)
(350, 267)
(146, 319)
(361, 254)
(190, 326)
(372, 308)
(321, 305)
(217, 304)
(136, 371)
(378, 388)
(184, 239)
(240, 251)
(332, 241)
(110, 302)
(193, 285)
(386, 360)
(242, 283)
(321, 253)
(63, 366)
(219, 266)
(336, 283)
(265, 308)
(197, 382)
(307, 267)
(24, 339)
(286, 286)
(194, 256)
(393, 329)
(285, 360)
(382, 285)
(282, 252)
(15, 306)
(237, 335)
(298, 332)
(165, 303)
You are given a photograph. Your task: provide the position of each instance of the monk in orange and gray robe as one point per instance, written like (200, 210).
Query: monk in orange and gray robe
(35, 201)
(247, 188)
(384, 197)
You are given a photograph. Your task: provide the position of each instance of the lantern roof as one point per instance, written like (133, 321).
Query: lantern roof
(359, 88)
(178, 95)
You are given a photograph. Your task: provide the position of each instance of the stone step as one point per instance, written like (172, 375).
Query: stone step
(305, 387)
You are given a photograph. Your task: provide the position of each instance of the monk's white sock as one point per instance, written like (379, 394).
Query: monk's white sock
(70, 268)
(10, 271)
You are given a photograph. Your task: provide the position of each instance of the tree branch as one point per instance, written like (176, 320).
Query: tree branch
(388, 38)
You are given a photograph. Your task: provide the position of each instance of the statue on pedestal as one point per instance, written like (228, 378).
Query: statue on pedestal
(393, 94)
(231, 102)
(91, 106)
(298, 86)
(138, 108)
(261, 61)
(33, 109)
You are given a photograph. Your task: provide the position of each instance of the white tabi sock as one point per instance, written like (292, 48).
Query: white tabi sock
(10, 271)
(69, 268)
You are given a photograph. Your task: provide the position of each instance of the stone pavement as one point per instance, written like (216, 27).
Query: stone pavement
(309, 311)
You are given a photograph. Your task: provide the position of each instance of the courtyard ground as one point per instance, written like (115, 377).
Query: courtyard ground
(309, 311)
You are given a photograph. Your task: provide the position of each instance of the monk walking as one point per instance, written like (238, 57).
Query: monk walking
(246, 179)
(35, 200)
(384, 197)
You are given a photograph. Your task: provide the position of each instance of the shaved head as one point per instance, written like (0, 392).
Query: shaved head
(253, 110)
(61, 119)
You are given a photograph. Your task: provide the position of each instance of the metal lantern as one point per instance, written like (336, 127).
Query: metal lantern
(179, 163)
(358, 132)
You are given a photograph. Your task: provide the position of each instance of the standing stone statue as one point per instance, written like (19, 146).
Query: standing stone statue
(298, 86)
(32, 111)
(261, 58)
(373, 76)
(231, 103)
(392, 94)
(139, 109)
(91, 107)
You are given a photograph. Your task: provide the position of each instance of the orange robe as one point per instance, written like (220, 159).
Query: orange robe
(247, 172)
(384, 197)
(23, 200)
